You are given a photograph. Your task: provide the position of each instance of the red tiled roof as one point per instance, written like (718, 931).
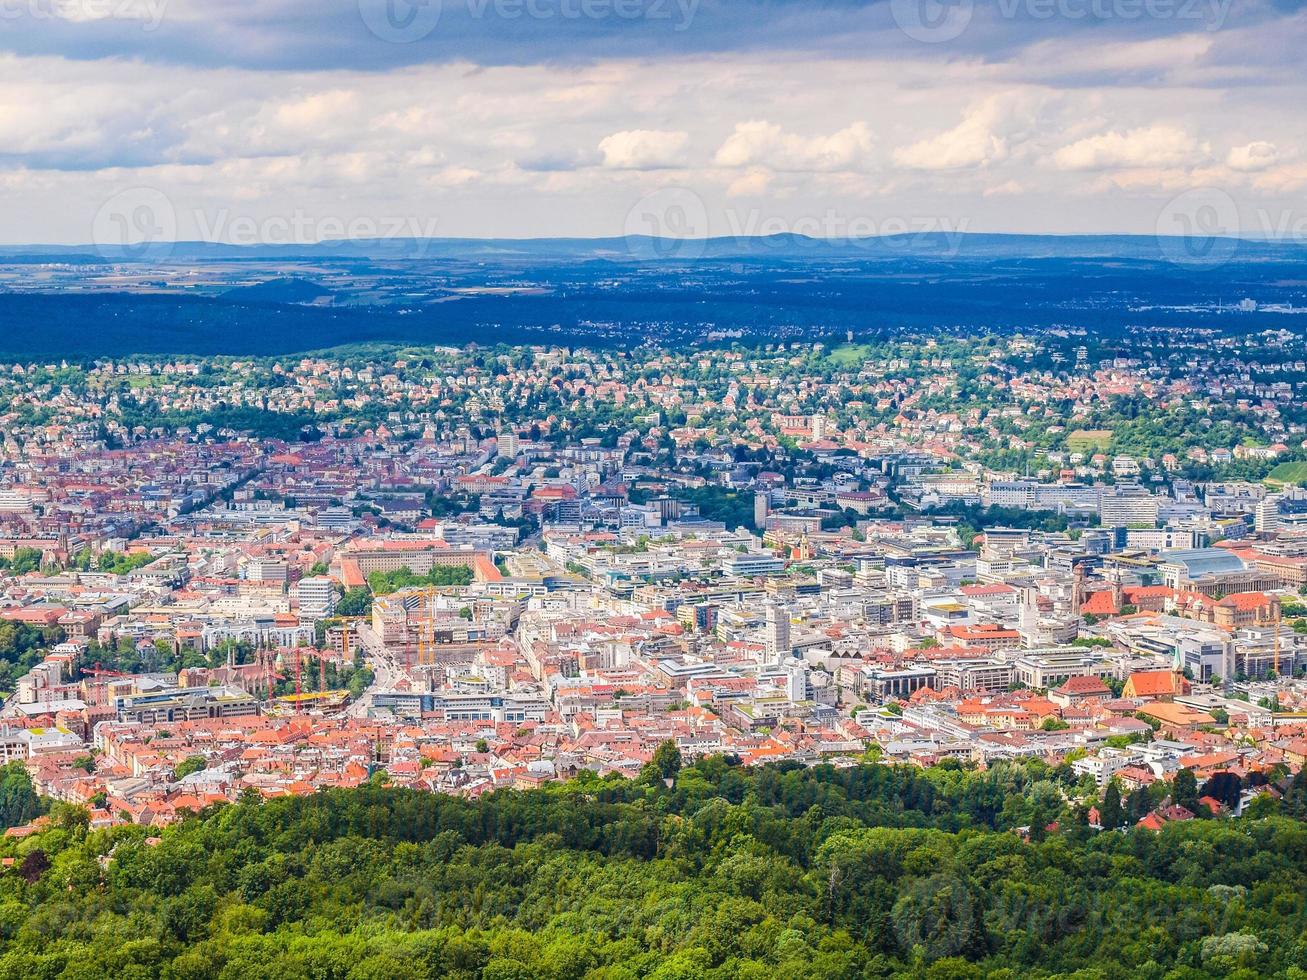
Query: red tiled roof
(1101, 603)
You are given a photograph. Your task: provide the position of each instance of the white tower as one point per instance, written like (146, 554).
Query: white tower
(777, 633)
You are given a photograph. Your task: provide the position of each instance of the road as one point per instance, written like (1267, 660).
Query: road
(386, 672)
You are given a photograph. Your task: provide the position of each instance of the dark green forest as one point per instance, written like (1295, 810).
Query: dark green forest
(871, 871)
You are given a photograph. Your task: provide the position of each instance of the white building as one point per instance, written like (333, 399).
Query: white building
(777, 633)
(317, 597)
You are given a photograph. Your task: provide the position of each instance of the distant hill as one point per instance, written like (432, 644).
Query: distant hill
(49, 258)
(644, 248)
(737, 290)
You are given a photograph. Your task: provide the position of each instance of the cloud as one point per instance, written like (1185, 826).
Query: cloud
(644, 149)
(1005, 189)
(978, 141)
(764, 144)
(1252, 157)
(1286, 179)
(755, 182)
(1147, 147)
(288, 35)
(254, 107)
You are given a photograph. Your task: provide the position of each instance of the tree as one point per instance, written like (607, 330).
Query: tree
(1138, 805)
(1184, 790)
(355, 602)
(1111, 813)
(191, 764)
(34, 865)
(1226, 787)
(667, 759)
(19, 803)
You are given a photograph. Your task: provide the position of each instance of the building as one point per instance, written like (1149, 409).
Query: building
(1281, 512)
(1085, 689)
(1052, 666)
(1161, 685)
(185, 704)
(1127, 506)
(776, 633)
(1180, 569)
(974, 674)
(316, 596)
(1241, 609)
(266, 570)
(750, 563)
(884, 684)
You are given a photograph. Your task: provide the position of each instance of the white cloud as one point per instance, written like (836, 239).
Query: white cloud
(764, 144)
(1252, 157)
(978, 141)
(568, 149)
(755, 182)
(1146, 147)
(1005, 189)
(644, 149)
(1286, 179)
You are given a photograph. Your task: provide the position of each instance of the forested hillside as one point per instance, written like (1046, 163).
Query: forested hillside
(776, 872)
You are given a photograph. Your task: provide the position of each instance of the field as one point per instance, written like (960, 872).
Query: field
(849, 356)
(1083, 440)
(1295, 472)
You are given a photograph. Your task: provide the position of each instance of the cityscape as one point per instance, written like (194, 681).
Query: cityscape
(653, 490)
(499, 567)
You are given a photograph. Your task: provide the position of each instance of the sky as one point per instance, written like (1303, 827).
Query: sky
(280, 121)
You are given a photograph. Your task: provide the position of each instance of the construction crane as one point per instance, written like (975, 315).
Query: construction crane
(344, 639)
(425, 629)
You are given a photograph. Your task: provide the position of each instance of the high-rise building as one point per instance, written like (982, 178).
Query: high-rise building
(777, 633)
(761, 508)
(507, 444)
(317, 597)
